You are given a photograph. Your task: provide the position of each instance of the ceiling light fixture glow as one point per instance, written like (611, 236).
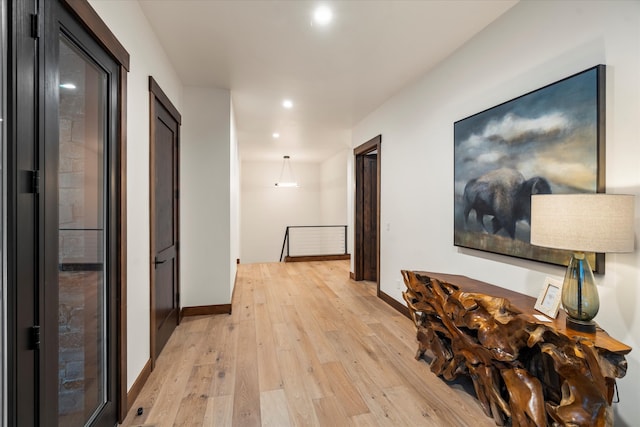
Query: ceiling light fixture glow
(287, 103)
(67, 86)
(322, 15)
(276, 135)
(286, 184)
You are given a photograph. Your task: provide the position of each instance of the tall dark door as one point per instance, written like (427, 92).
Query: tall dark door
(370, 217)
(64, 209)
(367, 211)
(164, 218)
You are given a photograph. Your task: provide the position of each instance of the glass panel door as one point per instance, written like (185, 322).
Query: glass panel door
(82, 354)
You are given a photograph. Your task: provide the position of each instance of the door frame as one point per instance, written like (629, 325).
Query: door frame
(374, 144)
(22, 229)
(157, 94)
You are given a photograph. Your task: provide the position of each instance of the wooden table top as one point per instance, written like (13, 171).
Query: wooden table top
(526, 304)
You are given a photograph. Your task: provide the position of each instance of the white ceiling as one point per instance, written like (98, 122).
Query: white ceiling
(266, 50)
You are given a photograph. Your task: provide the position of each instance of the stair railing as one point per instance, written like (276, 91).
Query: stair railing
(314, 240)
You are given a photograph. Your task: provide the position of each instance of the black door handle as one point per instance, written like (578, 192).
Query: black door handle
(156, 262)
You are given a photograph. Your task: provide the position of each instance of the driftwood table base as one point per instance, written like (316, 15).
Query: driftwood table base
(524, 372)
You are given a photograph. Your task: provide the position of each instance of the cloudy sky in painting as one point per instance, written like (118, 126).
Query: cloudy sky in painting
(550, 133)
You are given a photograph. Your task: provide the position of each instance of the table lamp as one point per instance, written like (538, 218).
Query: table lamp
(582, 223)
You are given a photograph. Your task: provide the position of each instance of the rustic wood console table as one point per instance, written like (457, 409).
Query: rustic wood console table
(530, 372)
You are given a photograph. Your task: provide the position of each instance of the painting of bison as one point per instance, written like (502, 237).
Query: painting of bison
(550, 140)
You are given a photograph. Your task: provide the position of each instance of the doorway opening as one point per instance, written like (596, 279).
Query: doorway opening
(367, 211)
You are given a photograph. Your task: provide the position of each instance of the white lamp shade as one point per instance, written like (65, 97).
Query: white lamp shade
(583, 222)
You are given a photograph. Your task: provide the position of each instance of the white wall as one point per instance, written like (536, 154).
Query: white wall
(333, 189)
(534, 44)
(267, 210)
(127, 22)
(205, 201)
(209, 181)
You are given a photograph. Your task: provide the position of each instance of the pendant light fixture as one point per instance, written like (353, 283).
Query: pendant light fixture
(287, 179)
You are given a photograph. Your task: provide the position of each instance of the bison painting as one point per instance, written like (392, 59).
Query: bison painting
(503, 194)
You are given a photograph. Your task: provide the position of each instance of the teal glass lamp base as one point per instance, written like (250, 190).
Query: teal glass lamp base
(580, 295)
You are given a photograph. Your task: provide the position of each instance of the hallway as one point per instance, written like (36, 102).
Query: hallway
(304, 346)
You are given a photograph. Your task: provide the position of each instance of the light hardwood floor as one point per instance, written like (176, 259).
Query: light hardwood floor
(304, 346)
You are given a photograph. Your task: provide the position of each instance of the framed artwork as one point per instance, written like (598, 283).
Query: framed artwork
(548, 301)
(550, 140)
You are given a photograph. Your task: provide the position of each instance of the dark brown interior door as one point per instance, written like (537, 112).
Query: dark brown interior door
(165, 306)
(370, 217)
(367, 211)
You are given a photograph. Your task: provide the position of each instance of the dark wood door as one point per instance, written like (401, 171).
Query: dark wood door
(367, 211)
(165, 291)
(63, 213)
(370, 217)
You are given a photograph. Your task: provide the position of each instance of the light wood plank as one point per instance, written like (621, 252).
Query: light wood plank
(165, 409)
(317, 382)
(329, 411)
(300, 404)
(319, 342)
(348, 396)
(211, 345)
(364, 420)
(193, 405)
(274, 409)
(219, 412)
(362, 356)
(267, 359)
(246, 402)
(227, 345)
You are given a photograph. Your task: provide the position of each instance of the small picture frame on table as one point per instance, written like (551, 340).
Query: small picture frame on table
(548, 301)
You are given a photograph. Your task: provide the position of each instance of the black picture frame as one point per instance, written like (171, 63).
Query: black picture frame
(550, 140)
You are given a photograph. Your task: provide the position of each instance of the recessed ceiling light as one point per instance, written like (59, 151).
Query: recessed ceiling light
(287, 103)
(322, 15)
(68, 86)
(276, 135)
